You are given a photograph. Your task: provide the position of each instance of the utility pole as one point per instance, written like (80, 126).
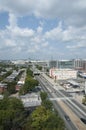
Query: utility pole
(85, 87)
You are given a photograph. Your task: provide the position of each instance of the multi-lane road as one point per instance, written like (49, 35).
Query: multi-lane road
(69, 109)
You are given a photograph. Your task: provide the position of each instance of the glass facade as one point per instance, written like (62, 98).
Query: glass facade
(53, 64)
(66, 64)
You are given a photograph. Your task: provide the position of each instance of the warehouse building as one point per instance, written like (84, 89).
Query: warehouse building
(62, 74)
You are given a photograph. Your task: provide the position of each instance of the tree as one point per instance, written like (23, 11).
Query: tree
(29, 85)
(6, 94)
(29, 73)
(84, 100)
(11, 87)
(47, 104)
(45, 101)
(11, 113)
(38, 117)
(39, 67)
(43, 96)
(44, 119)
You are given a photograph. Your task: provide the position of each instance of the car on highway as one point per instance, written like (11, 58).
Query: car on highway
(83, 120)
(67, 117)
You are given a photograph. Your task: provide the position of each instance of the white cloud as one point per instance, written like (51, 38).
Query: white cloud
(22, 32)
(39, 29)
(71, 11)
(77, 46)
(71, 30)
(22, 41)
(55, 33)
(9, 43)
(12, 20)
(45, 44)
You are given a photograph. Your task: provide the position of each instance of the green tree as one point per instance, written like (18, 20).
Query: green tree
(84, 100)
(45, 101)
(44, 119)
(29, 73)
(43, 96)
(11, 87)
(11, 113)
(39, 67)
(47, 104)
(29, 85)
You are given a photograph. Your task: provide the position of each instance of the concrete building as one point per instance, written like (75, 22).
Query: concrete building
(62, 74)
(78, 64)
(84, 65)
(31, 100)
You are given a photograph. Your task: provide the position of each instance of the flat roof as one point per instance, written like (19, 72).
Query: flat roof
(73, 82)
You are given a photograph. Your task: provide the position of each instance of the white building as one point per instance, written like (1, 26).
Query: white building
(31, 100)
(62, 74)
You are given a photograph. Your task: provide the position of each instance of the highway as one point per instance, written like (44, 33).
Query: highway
(55, 94)
(43, 83)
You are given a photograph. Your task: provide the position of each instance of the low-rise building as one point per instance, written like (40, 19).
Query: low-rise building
(31, 100)
(62, 74)
(3, 87)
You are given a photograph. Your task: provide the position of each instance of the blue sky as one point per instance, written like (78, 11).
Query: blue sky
(42, 29)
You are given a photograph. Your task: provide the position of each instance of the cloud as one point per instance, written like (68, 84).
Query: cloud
(69, 34)
(55, 33)
(77, 46)
(71, 11)
(16, 41)
(12, 20)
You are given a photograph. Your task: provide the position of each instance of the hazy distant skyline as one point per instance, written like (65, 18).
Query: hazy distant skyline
(42, 29)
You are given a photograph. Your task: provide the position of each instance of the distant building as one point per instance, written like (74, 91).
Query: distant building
(65, 64)
(12, 77)
(52, 64)
(19, 85)
(62, 74)
(84, 65)
(78, 64)
(3, 87)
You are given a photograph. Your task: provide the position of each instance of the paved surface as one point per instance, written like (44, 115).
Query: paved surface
(79, 99)
(78, 123)
(74, 118)
(76, 96)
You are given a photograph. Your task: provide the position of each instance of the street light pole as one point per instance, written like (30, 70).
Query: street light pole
(85, 87)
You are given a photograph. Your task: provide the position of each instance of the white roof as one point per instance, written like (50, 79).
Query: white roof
(20, 82)
(73, 82)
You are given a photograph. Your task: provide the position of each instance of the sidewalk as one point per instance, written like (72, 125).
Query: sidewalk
(55, 84)
(79, 99)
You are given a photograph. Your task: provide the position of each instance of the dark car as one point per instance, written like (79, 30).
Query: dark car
(67, 117)
(83, 120)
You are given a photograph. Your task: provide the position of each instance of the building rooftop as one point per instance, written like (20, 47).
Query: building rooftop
(31, 100)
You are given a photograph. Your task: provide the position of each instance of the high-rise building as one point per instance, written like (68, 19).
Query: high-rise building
(84, 65)
(78, 64)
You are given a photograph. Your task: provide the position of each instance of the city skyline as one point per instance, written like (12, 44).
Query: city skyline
(43, 29)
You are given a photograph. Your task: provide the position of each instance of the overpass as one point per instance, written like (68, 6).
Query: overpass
(36, 73)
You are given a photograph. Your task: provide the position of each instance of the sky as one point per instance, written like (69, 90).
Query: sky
(42, 29)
